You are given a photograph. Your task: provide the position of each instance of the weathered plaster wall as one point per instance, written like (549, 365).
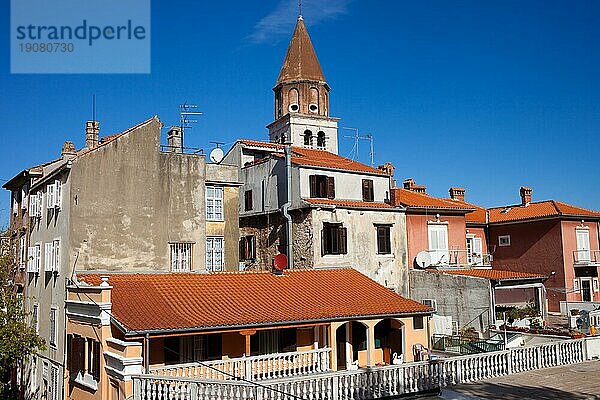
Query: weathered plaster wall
(348, 186)
(466, 299)
(390, 270)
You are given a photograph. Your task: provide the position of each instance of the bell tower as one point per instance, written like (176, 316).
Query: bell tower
(302, 98)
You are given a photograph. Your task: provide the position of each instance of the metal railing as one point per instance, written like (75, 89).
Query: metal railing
(463, 345)
(586, 257)
(459, 258)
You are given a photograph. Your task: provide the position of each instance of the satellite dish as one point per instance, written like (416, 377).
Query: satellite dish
(280, 262)
(216, 155)
(423, 259)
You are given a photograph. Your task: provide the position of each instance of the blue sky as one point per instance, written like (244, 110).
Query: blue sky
(487, 96)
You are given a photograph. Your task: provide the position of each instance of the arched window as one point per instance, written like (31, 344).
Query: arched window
(308, 138)
(321, 139)
(294, 100)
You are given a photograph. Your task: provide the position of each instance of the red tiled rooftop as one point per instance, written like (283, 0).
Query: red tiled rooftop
(317, 158)
(409, 198)
(492, 274)
(349, 203)
(157, 302)
(540, 209)
(477, 216)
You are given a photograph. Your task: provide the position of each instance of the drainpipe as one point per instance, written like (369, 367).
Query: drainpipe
(147, 348)
(288, 203)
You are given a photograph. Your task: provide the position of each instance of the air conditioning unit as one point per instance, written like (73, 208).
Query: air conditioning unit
(430, 303)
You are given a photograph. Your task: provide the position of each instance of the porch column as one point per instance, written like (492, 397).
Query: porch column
(370, 340)
(349, 359)
(247, 334)
(316, 337)
(333, 343)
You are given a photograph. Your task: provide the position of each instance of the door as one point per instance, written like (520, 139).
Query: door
(586, 290)
(477, 251)
(583, 245)
(438, 243)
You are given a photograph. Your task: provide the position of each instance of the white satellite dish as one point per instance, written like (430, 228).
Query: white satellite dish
(216, 155)
(423, 259)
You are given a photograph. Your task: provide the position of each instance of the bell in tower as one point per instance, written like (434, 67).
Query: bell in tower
(302, 98)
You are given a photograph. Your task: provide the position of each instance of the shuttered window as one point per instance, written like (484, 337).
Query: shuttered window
(247, 248)
(181, 257)
(248, 200)
(53, 322)
(322, 186)
(384, 243)
(75, 355)
(367, 190)
(333, 239)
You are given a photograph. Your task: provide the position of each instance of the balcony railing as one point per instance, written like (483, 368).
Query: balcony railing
(459, 258)
(270, 366)
(586, 257)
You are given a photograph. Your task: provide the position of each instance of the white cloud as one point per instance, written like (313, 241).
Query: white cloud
(278, 24)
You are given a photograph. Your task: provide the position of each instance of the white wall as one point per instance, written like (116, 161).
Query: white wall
(348, 186)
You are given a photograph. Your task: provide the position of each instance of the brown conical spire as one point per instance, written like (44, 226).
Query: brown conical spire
(301, 61)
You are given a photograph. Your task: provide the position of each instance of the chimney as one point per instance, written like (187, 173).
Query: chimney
(525, 196)
(68, 150)
(92, 130)
(174, 139)
(388, 168)
(409, 183)
(457, 193)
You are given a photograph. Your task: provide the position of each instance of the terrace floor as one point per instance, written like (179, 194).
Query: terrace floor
(577, 381)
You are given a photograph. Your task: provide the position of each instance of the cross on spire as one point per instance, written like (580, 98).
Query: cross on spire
(299, 9)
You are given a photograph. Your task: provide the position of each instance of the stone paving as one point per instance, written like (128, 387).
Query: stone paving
(577, 381)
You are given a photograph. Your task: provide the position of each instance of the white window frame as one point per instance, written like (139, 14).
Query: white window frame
(214, 203)
(57, 193)
(56, 255)
(504, 240)
(24, 197)
(22, 251)
(15, 203)
(212, 262)
(582, 239)
(54, 395)
(438, 250)
(181, 256)
(50, 194)
(53, 327)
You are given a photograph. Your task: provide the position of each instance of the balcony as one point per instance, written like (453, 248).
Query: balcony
(586, 257)
(269, 366)
(459, 258)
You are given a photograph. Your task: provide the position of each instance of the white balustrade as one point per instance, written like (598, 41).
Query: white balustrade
(372, 383)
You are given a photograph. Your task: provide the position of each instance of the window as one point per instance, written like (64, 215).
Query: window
(35, 205)
(35, 318)
(75, 356)
(93, 365)
(54, 395)
(247, 248)
(15, 196)
(181, 257)
(418, 322)
(53, 322)
(333, 240)
(22, 251)
(24, 191)
(52, 256)
(308, 141)
(321, 139)
(322, 186)
(430, 303)
(474, 251)
(214, 253)
(384, 243)
(33, 258)
(214, 203)
(583, 245)
(248, 200)
(438, 243)
(504, 240)
(50, 195)
(367, 190)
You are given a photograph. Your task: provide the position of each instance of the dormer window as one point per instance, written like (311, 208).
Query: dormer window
(321, 139)
(308, 138)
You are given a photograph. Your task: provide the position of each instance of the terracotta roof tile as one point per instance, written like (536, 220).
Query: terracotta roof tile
(349, 203)
(492, 274)
(477, 216)
(316, 158)
(409, 198)
(540, 209)
(149, 302)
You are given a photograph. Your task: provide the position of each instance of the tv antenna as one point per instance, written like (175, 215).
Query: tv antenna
(357, 137)
(187, 111)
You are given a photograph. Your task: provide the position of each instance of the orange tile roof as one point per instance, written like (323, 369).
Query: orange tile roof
(478, 216)
(317, 158)
(492, 274)
(412, 199)
(349, 203)
(162, 302)
(540, 209)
